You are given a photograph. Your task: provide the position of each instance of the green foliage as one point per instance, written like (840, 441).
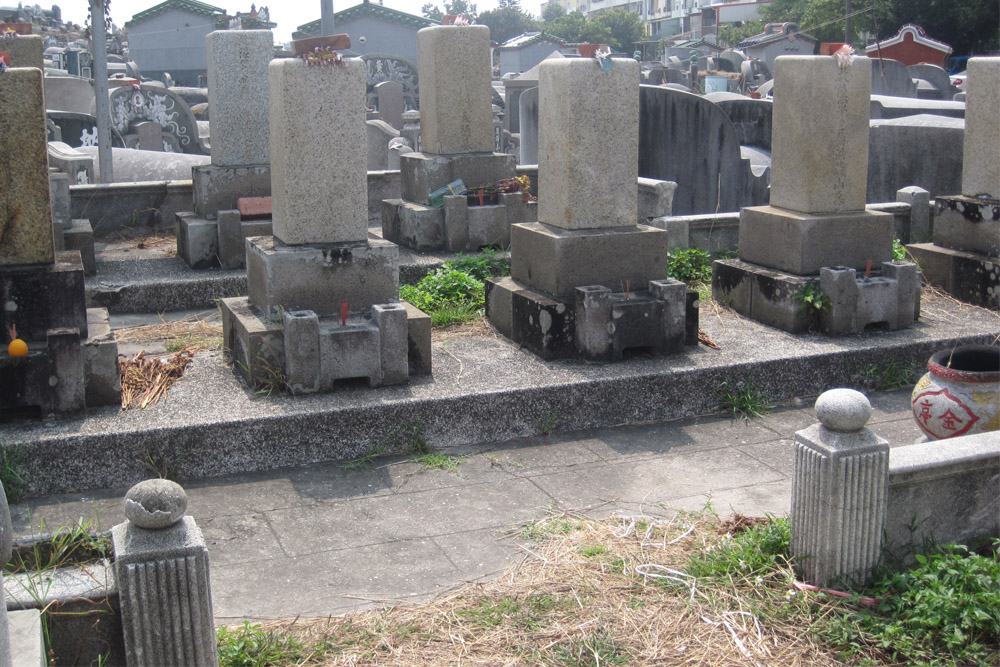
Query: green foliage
(590, 650)
(435, 13)
(507, 22)
(812, 301)
(898, 250)
(251, 646)
(624, 28)
(455, 292)
(883, 377)
(618, 27)
(72, 545)
(757, 550)
(731, 34)
(944, 611)
(593, 550)
(545, 426)
(438, 461)
(544, 529)
(12, 475)
(524, 613)
(744, 401)
(690, 265)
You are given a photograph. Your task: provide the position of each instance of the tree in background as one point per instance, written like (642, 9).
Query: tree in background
(434, 13)
(969, 27)
(507, 21)
(731, 34)
(625, 28)
(617, 27)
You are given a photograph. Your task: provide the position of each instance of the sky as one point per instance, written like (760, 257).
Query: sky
(288, 14)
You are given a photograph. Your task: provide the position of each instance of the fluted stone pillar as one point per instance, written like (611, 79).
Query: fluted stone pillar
(161, 564)
(839, 492)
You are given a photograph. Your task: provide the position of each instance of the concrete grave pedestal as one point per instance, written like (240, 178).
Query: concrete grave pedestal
(43, 290)
(456, 128)
(816, 239)
(586, 280)
(964, 257)
(323, 302)
(238, 94)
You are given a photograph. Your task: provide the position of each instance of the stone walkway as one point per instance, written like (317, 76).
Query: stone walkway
(324, 539)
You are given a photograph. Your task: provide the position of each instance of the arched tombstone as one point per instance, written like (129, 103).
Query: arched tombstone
(935, 76)
(381, 67)
(131, 106)
(891, 77)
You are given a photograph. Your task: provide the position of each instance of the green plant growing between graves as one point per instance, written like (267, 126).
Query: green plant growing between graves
(812, 302)
(883, 377)
(455, 292)
(690, 265)
(12, 475)
(438, 461)
(547, 424)
(898, 250)
(744, 401)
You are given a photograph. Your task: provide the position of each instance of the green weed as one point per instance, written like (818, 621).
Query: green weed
(744, 401)
(438, 461)
(544, 529)
(593, 550)
(754, 551)
(69, 545)
(12, 475)
(812, 302)
(525, 613)
(690, 265)
(592, 649)
(883, 377)
(545, 426)
(251, 646)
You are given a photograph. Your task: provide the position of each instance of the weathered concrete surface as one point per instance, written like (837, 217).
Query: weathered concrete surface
(482, 388)
(427, 531)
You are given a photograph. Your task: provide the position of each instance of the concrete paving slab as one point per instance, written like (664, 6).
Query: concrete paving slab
(251, 532)
(480, 553)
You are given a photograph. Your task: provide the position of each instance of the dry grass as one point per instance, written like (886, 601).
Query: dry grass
(145, 381)
(191, 332)
(577, 598)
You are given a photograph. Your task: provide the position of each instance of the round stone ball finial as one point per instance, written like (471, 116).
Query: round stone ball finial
(843, 410)
(155, 503)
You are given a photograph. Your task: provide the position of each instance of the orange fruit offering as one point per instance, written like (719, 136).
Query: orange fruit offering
(17, 348)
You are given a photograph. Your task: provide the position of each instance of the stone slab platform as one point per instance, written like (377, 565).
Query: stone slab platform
(970, 277)
(803, 243)
(483, 389)
(970, 224)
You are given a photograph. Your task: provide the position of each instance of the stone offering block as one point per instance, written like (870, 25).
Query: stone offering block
(319, 152)
(802, 244)
(25, 207)
(254, 207)
(422, 173)
(456, 111)
(25, 51)
(197, 240)
(968, 223)
(45, 296)
(589, 144)
(301, 47)
(321, 277)
(238, 95)
(819, 146)
(981, 157)
(557, 261)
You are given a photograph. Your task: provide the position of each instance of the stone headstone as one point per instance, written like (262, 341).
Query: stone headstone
(391, 102)
(590, 166)
(456, 112)
(889, 77)
(165, 107)
(379, 133)
(981, 161)
(319, 182)
(25, 208)
(150, 136)
(821, 134)
(238, 95)
(528, 113)
(934, 75)
(24, 50)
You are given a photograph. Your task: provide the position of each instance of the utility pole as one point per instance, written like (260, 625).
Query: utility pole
(102, 103)
(847, 23)
(326, 22)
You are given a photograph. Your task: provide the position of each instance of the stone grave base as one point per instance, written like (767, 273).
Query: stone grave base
(457, 227)
(970, 224)
(967, 276)
(206, 244)
(80, 236)
(889, 298)
(803, 243)
(307, 353)
(217, 188)
(85, 370)
(321, 277)
(422, 173)
(595, 323)
(557, 261)
(48, 296)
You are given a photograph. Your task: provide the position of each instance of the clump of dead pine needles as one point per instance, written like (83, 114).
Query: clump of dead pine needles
(146, 380)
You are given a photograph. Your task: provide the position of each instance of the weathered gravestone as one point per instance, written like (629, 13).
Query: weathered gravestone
(457, 144)
(964, 258)
(816, 236)
(239, 100)
(43, 289)
(586, 280)
(391, 99)
(323, 298)
(891, 77)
